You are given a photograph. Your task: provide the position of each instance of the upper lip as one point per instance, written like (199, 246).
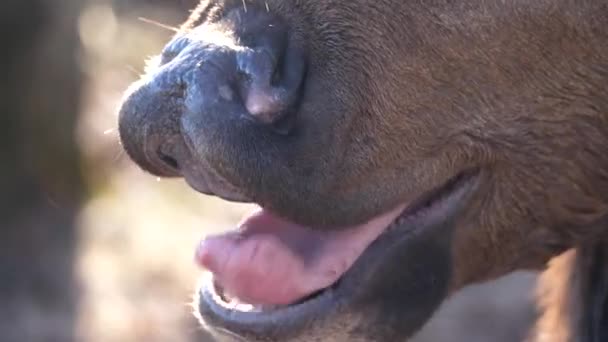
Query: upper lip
(284, 321)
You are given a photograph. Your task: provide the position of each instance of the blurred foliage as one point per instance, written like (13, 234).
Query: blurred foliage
(40, 178)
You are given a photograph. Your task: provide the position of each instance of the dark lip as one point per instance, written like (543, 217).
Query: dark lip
(288, 321)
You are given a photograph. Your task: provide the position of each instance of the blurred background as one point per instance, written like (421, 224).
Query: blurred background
(91, 248)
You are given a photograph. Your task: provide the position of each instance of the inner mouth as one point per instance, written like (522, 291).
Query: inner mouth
(270, 263)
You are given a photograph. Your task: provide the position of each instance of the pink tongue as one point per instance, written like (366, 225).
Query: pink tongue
(271, 261)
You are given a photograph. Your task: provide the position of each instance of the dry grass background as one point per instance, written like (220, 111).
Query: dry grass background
(138, 233)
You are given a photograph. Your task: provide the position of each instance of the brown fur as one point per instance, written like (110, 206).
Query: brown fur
(404, 95)
(522, 94)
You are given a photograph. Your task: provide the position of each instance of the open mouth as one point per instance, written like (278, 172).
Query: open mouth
(270, 269)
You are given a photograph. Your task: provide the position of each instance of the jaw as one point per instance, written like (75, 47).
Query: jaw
(390, 291)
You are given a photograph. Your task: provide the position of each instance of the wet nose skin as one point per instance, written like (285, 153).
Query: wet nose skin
(149, 126)
(249, 79)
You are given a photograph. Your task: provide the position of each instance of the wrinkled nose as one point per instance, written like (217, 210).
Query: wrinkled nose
(242, 73)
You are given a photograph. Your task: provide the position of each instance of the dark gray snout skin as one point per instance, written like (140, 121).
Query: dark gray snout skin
(213, 102)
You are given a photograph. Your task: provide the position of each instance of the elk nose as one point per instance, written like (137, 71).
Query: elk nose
(249, 79)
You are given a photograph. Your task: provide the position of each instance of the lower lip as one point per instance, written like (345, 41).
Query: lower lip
(231, 316)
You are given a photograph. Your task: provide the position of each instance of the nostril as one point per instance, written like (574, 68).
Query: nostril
(276, 76)
(269, 87)
(168, 160)
(276, 79)
(166, 156)
(270, 70)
